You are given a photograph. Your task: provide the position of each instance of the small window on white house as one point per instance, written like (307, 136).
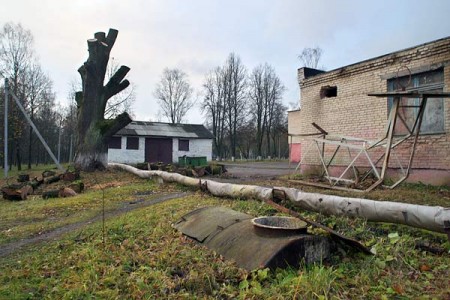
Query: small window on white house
(115, 142)
(133, 143)
(183, 145)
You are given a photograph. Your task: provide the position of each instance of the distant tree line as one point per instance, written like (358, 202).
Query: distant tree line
(243, 109)
(34, 89)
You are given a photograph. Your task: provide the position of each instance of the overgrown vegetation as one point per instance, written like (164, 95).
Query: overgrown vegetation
(144, 257)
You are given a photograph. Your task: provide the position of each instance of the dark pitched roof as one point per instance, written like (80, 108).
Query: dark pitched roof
(157, 129)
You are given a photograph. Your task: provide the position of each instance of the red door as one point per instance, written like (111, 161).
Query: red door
(158, 150)
(296, 152)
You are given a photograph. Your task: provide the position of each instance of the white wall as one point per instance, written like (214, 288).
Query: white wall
(127, 156)
(197, 147)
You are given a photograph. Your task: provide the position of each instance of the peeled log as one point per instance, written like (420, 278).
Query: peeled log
(238, 190)
(433, 218)
(421, 216)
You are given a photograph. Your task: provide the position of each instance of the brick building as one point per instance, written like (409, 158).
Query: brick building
(338, 102)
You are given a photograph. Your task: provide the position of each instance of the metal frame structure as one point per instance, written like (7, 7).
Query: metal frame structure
(389, 142)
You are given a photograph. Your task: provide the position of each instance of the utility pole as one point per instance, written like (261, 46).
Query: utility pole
(5, 138)
(59, 144)
(71, 151)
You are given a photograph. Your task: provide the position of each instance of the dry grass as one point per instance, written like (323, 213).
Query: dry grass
(143, 257)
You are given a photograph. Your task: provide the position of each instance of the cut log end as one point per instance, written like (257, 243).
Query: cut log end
(101, 36)
(66, 192)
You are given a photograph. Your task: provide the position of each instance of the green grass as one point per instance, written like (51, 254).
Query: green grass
(414, 193)
(37, 215)
(13, 172)
(22, 219)
(143, 257)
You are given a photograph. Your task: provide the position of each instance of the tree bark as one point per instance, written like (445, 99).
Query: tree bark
(93, 130)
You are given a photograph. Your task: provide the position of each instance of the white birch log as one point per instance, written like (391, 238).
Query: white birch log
(238, 190)
(421, 216)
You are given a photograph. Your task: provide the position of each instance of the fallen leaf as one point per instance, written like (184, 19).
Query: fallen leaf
(398, 288)
(425, 268)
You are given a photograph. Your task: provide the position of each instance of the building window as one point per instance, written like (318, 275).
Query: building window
(115, 142)
(133, 143)
(328, 91)
(433, 118)
(183, 145)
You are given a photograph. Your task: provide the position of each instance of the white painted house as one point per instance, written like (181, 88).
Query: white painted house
(159, 142)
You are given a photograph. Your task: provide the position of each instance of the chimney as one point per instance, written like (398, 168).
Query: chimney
(305, 73)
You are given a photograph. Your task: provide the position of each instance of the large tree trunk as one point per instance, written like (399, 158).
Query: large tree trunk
(93, 130)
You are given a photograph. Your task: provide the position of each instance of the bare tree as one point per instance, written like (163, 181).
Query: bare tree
(265, 94)
(69, 131)
(246, 139)
(257, 104)
(173, 93)
(311, 57)
(93, 130)
(47, 120)
(279, 130)
(214, 107)
(38, 85)
(16, 53)
(235, 88)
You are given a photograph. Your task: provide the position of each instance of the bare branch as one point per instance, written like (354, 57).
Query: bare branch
(174, 95)
(311, 57)
(115, 84)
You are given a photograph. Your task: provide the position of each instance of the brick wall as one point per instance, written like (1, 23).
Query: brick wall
(354, 113)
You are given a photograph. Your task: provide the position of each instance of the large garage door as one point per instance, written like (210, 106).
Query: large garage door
(158, 150)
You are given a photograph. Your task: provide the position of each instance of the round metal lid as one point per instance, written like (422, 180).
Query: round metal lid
(279, 222)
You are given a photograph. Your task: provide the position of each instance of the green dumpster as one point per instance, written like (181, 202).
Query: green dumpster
(192, 161)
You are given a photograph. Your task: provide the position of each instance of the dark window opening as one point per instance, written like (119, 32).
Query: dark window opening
(433, 118)
(183, 145)
(328, 91)
(133, 143)
(115, 142)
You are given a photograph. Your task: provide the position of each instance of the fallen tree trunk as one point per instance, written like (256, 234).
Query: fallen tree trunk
(433, 218)
(52, 179)
(428, 217)
(50, 194)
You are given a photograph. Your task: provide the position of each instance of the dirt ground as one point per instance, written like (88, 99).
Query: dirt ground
(252, 170)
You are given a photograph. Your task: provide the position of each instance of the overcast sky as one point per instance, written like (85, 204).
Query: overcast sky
(196, 36)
